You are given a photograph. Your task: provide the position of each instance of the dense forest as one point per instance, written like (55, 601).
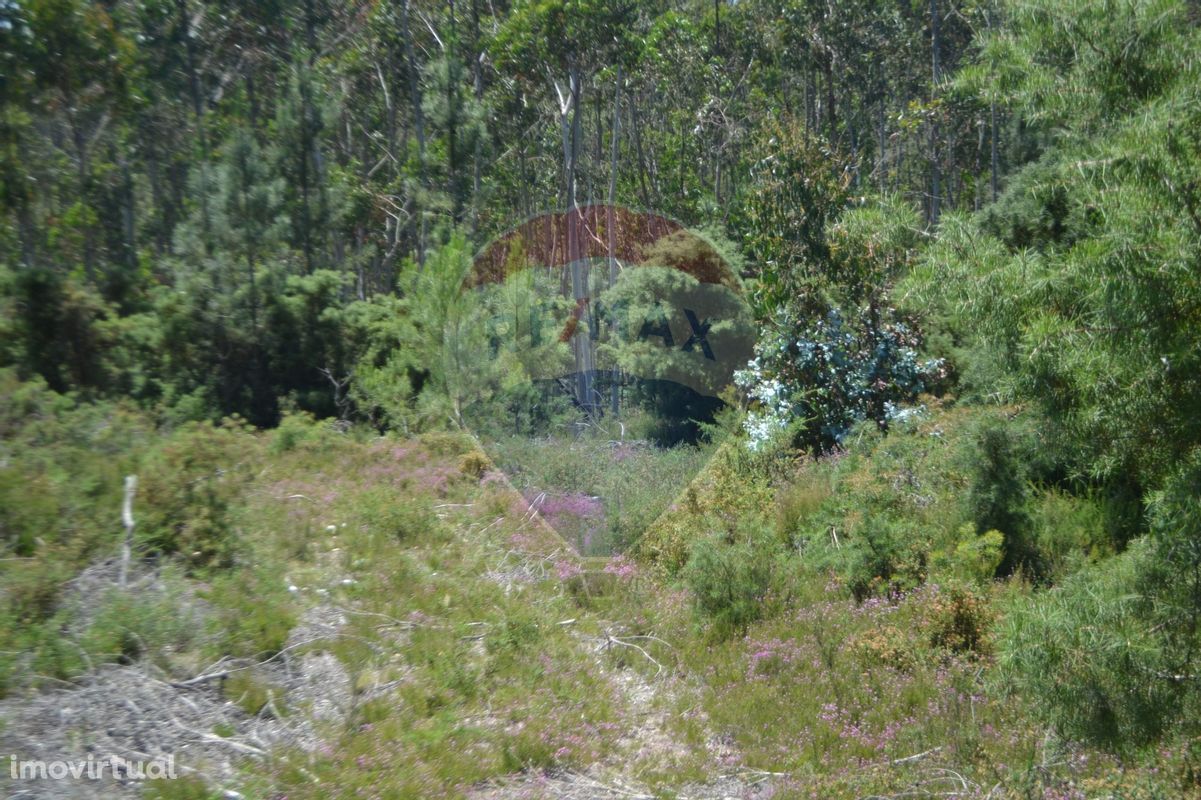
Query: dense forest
(936, 534)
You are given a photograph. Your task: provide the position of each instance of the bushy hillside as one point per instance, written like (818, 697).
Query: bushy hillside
(361, 616)
(305, 483)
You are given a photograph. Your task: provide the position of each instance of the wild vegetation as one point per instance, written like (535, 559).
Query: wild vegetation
(936, 535)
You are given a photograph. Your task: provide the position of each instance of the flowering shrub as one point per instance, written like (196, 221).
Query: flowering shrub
(622, 568)
(814, 381)
(580, 518)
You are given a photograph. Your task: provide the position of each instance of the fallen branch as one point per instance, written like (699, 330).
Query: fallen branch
(916, 756)
(225, 673)
(611, 640)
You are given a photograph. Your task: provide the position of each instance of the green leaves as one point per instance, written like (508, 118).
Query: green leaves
(1082, 64)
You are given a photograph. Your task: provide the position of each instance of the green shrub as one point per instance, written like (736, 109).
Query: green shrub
(188, 490)
(515, 634)
(960, 620)
(29, 510)
(184, 787)
(31, 588)
(253, 614)
(1085, 657)
(882, 554)
(299, 429)
(730, 487)
(731, 581)
(403, 519)
(999, 493)
(127, 627)
(474, 463)
(974, 557)
(798, 502)
(1068, 532)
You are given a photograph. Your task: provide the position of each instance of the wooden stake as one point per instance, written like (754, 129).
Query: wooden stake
(131, 486)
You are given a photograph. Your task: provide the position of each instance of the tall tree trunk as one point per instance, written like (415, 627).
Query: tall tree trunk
(994, 159)
(993, 156)
(419, 128)
(717, 27)
(610, 229)
(302, 159)
(810, 92)
(581, 340)
(881, 145)
(452, 119)
(642, 178)
(128, 212)
(934, 164)
(194, 88)
(831, 97)
(477, 85)
(82, 171)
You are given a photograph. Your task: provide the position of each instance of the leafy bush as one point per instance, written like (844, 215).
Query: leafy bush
(606, 492)
(731, 581)
(128, 627)
(729, 488)
(250, 692)
(1085, 656)
(798, 184)
(800, 501)
(960, 621)
(882, 555)
(1069, 531)
(184, 787)
(403, 519)
(299, 429)
(975, 557)
(832, 373)
(190, 486)
(999, 494)
(253, 614)
(474, 463)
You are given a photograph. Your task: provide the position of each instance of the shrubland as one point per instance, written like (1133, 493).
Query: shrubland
(939, 539)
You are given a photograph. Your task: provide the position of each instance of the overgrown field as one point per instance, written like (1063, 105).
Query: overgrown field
(326, 614)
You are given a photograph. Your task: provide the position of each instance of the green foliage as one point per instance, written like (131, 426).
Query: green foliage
(184, 787)
(652, 342)
(1092, 323)
(293, 244)
(191, 484)
(832, 351)
(250, 692)
(799, 186)
(403, 520)
(883, 556)
(728, 489)
(1070, 531)
(732, 581)
(1036, 61)
(999, 494)
(975, 557)
(602, 495)
(300, 430)
(1086, 657)
(126, 628)
(253, 614)
(800, 500)
(960, 621)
